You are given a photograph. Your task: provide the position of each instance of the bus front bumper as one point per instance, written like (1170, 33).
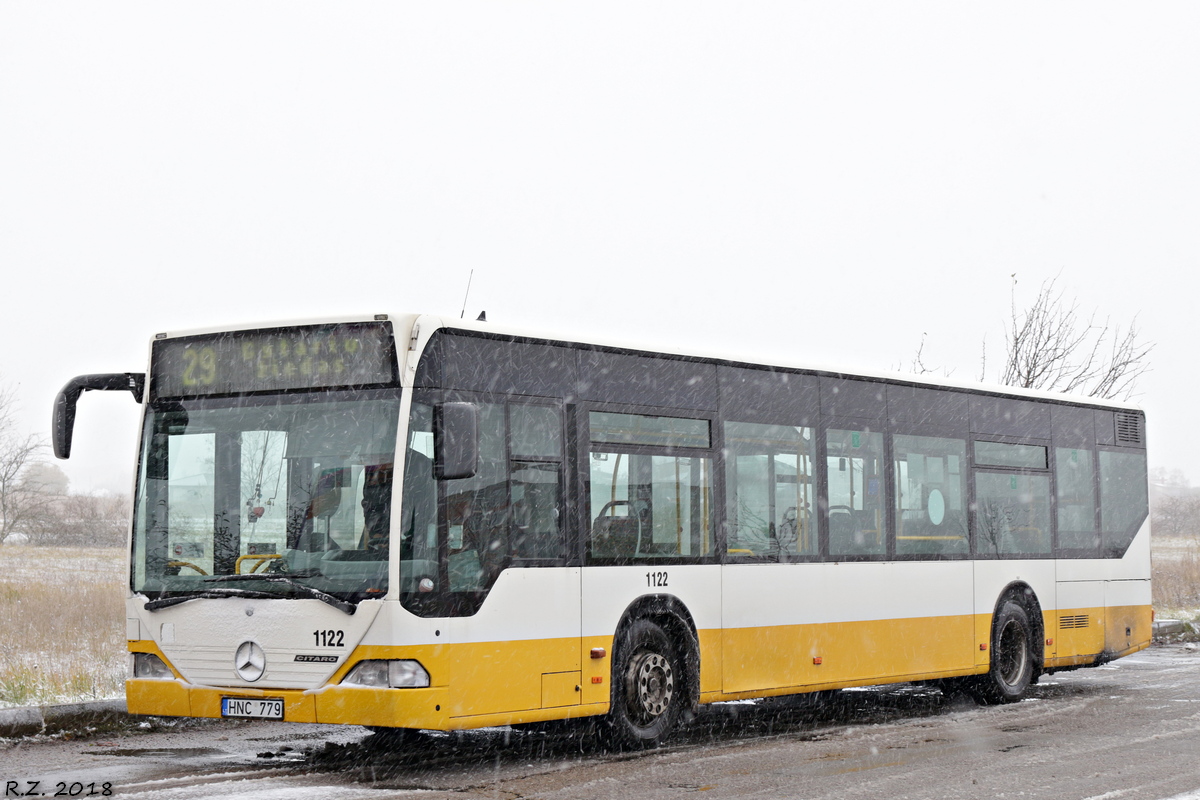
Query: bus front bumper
(344, 705)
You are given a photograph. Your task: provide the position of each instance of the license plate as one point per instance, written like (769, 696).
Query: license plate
(255, 707)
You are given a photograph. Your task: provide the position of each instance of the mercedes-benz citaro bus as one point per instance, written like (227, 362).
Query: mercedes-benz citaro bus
(419, 523)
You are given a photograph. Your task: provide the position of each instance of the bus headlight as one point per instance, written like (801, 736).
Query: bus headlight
(404, 674)
(148, 665)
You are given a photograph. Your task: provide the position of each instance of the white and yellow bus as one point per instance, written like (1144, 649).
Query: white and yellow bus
(418, 523)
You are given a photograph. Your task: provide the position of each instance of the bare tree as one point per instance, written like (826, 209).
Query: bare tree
(1174, 504)
(45, 477)
(1176, 515)
(19, 503)
(1050, 345)
(81, 520)
(918, 365)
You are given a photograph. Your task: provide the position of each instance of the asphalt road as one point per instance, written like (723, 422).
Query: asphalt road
(1130, 729)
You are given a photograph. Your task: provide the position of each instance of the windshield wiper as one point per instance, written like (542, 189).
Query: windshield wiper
(290, 580)
(216, 592)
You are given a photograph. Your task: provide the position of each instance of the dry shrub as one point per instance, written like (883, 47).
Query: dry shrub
(1176, 576)
(62, 613)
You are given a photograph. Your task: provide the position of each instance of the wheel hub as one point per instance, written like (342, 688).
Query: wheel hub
(651, 685)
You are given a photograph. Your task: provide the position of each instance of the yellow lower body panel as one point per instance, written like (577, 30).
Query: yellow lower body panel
(846, 653)
(498, 683)
(160, 698)
(1081, 636)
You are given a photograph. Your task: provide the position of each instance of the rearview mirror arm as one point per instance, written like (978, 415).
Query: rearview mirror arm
(63, 426)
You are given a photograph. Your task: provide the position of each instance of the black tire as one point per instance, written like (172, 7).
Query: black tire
(1013, 655)
(392, 738)
(807, 700)
(649, 689)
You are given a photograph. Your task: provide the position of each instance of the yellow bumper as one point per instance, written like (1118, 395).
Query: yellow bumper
(347, 705)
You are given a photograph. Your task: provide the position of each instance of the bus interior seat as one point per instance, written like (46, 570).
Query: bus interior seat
(615, 537)
(841, 531)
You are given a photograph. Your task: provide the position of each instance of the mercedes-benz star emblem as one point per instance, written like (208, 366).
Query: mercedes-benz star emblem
(250, 661)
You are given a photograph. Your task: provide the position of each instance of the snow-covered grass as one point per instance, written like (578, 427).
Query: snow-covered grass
(1175, 573)
(62, 631)
(1176, 578)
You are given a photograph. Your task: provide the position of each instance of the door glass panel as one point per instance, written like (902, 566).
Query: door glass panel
(536, 431)
(506, 514)
(535, 510)
(854, 460)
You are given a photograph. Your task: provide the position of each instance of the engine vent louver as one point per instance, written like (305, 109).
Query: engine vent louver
(1073, 621)
(1129, 428)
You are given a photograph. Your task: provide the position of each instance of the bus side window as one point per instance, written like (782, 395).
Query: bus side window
(1123, 498)
(769, 485)
(1074, 477)
(651, 486)
(930, 495)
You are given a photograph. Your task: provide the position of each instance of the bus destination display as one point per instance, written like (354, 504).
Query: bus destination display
(321, 356)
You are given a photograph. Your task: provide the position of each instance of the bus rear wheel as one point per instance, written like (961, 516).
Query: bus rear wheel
(648, 688)
(1012, 667)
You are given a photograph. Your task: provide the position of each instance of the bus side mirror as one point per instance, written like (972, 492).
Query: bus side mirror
(63, 426)
(455, 441)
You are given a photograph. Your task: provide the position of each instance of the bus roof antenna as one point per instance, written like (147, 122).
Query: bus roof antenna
(482, 317)
(466, 294)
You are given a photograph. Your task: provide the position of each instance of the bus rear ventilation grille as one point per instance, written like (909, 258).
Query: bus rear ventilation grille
(1129, 428)
(1073, 621)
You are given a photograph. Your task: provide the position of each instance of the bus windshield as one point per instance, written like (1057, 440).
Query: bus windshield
(286, 495)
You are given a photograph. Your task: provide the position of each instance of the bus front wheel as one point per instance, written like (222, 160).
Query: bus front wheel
(648, 687)
(1012, 656)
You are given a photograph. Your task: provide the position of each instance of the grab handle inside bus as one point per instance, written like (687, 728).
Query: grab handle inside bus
(64, 405)
(455, 441)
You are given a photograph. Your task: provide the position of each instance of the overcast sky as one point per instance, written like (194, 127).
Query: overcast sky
(820, 182)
